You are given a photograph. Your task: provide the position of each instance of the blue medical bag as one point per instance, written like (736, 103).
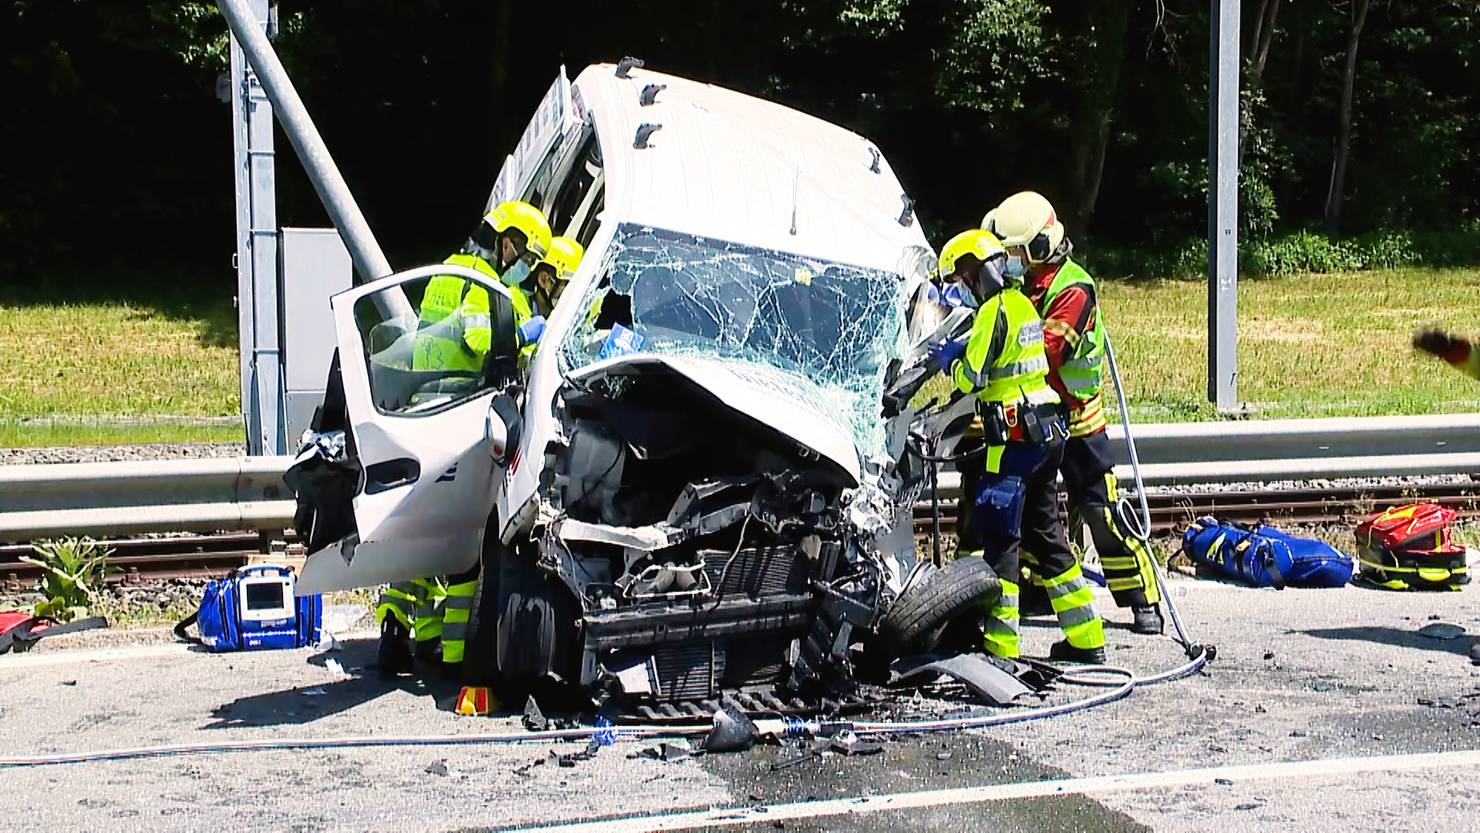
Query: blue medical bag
(1265, 556)
(255, 609)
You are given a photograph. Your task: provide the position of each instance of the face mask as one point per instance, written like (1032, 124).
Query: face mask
(1015, 267)
(515, 275)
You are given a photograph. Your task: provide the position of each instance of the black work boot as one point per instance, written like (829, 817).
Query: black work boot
(394, 656)
(1147, 620)
(429, 652)
(1064, 652)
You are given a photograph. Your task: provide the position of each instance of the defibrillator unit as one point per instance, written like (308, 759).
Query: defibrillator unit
(255, 608)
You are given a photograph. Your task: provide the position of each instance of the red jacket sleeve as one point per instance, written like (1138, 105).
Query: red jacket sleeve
(1064, 324)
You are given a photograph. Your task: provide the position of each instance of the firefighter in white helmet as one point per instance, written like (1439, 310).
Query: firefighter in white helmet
(1038, 249)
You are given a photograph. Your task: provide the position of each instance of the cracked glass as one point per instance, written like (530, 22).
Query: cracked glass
(668, 293)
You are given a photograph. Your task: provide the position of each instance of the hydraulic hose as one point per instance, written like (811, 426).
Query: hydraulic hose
(607, 735)
(1199, 654)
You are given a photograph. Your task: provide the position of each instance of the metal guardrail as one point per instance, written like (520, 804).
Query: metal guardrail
(38, 501)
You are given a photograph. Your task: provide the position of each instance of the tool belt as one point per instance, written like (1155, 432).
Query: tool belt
(1021, 423)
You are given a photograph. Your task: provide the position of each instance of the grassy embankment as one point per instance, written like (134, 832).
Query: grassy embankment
(1310, 345)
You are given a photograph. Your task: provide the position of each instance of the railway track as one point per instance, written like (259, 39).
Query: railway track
(201, 556)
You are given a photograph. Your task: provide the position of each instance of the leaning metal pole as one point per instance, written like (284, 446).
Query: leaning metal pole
(1223, 109)
(370, 261)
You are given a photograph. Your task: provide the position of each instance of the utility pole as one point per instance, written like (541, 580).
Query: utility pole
(1223, 130)
(263, 409)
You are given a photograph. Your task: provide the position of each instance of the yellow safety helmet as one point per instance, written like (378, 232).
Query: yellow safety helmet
(978, 243)
(1027, 219)
(528, 220)
(564, 256)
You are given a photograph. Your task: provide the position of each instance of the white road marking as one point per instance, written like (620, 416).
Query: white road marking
(43, 658)
(733, 816)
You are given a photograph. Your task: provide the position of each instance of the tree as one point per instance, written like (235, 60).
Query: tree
(1104, 53)
(1335, 194)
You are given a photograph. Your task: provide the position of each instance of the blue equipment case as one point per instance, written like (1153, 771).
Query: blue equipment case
(255, 609)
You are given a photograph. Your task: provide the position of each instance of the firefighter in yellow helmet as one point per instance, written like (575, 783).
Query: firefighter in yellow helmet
(555, 271)
(1015, 500)
(454, 333)
(1038, 248)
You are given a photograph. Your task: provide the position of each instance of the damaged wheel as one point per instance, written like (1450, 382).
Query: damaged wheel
(915, 622)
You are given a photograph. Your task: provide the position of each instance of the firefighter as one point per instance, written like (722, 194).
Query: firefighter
(455, 333)
(1456, 350)
(1002, 362)
(1073, 335)
(555, 271)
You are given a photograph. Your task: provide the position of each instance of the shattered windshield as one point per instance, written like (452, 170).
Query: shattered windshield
(678, 294)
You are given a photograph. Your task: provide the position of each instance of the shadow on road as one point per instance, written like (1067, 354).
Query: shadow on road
(307, 703)
(1400, 637)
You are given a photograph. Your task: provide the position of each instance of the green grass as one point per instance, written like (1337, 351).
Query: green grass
(90, 354)
(1308, 345)
(24, 435)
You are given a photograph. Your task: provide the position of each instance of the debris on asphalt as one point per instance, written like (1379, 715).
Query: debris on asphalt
(534, 719)
(335, 668)
(313, 692)
(570, 759)
(732, 732)
(667, 751)
(994, 681)
(1442, 630)
(438, 767)
(1223, 782)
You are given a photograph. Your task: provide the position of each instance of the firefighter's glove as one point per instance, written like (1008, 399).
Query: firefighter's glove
(1439, 343)
(531, 330)
(946, 352)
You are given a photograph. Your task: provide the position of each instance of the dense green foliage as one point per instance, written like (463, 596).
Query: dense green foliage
(118, 150)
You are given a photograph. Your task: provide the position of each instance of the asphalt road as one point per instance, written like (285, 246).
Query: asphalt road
(1341, 679)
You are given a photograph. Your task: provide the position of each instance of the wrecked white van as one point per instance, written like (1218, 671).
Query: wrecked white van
(698, 488)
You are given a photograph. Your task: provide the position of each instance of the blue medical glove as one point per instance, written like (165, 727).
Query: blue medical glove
(531, 330)
(947, 351)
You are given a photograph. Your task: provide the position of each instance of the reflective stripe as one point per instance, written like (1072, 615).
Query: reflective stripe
(1123, 583)
(1077, 615)
(459, 602)
(1023, 368)
(1070, 575)
(454, 631)
(477, 321)
(397, 601)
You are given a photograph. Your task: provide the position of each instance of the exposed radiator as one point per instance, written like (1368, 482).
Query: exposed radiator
(758, 571)
(688, 671)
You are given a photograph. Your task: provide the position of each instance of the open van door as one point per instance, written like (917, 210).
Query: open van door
(430, 389)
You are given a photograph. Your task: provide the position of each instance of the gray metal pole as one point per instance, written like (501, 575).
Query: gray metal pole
(262, 395)
(1223, 113)
(370, 261)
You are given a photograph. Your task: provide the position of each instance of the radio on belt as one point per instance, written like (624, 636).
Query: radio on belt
(255, 608)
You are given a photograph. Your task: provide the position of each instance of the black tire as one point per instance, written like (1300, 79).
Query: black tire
(914, 623)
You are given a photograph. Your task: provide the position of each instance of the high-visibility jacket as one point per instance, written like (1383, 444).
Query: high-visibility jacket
(1005, 361)
(456, 327)
(1081, 370)
(1080, 373)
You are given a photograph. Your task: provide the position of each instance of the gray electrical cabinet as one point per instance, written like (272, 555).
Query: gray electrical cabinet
(314, 265)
